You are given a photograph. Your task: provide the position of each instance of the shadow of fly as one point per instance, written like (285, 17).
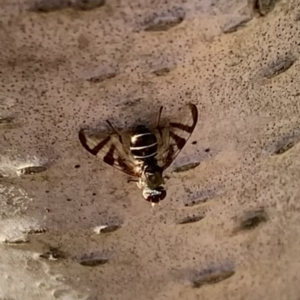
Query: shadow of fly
(145, 152)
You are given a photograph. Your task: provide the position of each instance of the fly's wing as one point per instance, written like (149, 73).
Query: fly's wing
(173, 137)
(111, 148)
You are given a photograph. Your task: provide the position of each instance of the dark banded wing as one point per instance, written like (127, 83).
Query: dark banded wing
(111, 148)
(173, 137)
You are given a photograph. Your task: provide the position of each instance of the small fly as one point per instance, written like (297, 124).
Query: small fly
(144, 153)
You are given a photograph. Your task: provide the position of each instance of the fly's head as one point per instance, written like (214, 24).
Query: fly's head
(151, 182)
(154, 196)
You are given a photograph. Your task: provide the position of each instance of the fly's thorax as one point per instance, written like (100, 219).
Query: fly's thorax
(143, 144)
(151, 175)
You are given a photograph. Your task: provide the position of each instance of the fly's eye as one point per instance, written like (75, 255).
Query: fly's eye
(157, 195)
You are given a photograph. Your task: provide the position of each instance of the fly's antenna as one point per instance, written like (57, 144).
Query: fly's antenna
(159, 115)
(153, 204)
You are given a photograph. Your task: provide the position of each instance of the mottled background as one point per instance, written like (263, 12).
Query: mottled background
(229, 229)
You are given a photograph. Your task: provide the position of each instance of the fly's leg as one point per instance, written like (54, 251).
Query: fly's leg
(159, 115)
(139, 185)
(113, 128)
(166, 178)
(132, 180)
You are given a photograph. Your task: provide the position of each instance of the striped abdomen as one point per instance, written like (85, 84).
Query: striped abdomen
(143, 144)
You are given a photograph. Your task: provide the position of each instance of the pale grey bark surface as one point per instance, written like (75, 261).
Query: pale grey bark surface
(228, 229)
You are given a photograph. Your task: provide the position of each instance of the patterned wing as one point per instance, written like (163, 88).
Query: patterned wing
(111, 148)
(173, 137)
